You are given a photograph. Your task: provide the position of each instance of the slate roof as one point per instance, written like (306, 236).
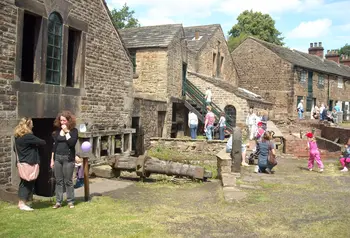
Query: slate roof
(150, 36)
(205, 33)
(306, 60)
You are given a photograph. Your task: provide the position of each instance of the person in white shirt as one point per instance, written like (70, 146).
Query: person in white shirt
(222, 125)
(321, 111)
(193, 124)
(251, 122)
(300, 109)
(208, 96)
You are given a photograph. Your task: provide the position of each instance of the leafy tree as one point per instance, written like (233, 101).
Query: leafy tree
(124, 18)
(255, 24)
(345, 50)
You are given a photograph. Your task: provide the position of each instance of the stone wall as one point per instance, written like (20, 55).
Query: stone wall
(224, 96)
(338, 134)
(205, 64)
(103, 98)
(151, 67)
(263, 72)
(8, 97)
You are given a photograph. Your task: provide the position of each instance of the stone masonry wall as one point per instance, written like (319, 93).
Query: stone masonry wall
(205, 59)
(263, 72)
(108, 72)
(8, 97)
(107, 94)
(222, 98)
(151, 66)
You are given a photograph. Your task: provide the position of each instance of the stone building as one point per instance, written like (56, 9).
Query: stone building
(284, 76)
(210, 65)
(63, 55)
(160, 59)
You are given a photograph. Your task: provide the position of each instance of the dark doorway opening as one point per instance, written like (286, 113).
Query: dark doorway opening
(43, 129)
(31, 29)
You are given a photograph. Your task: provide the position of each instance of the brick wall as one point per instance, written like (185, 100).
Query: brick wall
(336, 133)
(205, 59)
(263, 72)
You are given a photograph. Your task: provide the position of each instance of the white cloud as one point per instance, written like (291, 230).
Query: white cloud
(311, 29)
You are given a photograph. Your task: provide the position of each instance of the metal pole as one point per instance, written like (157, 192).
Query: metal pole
(86, 178)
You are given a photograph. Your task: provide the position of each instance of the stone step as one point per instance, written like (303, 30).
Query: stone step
(103, 171)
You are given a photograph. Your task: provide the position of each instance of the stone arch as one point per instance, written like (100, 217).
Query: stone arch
(231, 113)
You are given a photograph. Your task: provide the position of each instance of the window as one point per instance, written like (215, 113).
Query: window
(133, 60)
(303, 76)
(330, 105)
(340, 82)
(54, 49)
(31, 29)
(73, 58)
(214, 64)
(320, 80)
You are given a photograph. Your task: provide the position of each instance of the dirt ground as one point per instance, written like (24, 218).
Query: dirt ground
(292, 202)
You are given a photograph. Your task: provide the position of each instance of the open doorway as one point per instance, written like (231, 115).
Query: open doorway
(43, 129)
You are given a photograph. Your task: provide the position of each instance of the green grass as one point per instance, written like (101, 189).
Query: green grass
(103, 217)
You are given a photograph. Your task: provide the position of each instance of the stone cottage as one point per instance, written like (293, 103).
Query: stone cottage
(63, 55)
(284, 76)
(210, 65)
(159, 58)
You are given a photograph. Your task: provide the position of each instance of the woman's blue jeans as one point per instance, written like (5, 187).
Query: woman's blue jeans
(222, 132)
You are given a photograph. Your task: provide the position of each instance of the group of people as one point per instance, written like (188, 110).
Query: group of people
(320, 113)
(253, 120)
(63, 157)
(209, 126)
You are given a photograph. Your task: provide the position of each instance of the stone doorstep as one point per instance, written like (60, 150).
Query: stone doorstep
(233, 194)
(244, 186)
(228, 180)
(103, 171)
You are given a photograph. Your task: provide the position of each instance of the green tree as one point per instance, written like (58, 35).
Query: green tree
(255, 24)
(124, 18)
(345, 50)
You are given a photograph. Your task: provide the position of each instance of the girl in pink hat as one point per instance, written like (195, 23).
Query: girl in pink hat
(314, 153)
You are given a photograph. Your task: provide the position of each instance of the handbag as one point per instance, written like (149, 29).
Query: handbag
(26, 171)
(271, 157)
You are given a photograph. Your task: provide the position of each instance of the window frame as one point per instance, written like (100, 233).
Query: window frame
(302, 78)
(320, 81)
(55, 46)
(340, 82)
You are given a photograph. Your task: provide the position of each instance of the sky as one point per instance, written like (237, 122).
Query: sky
(301, 21)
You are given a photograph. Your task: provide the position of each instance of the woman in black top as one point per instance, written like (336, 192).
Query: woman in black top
(63, 155)
(27, 151)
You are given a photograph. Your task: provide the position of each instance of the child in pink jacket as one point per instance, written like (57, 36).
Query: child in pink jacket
(314, 153)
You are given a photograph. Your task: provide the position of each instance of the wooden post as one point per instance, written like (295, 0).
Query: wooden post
(236, 153)
(86, 178)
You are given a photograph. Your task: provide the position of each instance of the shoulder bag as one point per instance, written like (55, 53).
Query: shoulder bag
(271, 157)
(26, 171)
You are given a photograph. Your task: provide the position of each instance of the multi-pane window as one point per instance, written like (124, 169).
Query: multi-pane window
(303, 76)
(54, 49)
(320, 80)
(133, 60)
(340, 82)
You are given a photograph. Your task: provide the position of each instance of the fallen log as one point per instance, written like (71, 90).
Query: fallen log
(146, 165)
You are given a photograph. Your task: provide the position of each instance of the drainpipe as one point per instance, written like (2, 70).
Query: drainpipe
(328, 92)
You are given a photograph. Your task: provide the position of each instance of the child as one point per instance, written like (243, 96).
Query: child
(260, 132)
(314, 153)
(80, 172)
(346, 157)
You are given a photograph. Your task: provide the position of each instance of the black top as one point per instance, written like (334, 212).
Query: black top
(62, 146)
(27, 148)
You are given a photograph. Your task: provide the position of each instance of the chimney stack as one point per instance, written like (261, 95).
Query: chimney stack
(316, 50)
(196, 35)
(333, 55)
(345, 60)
